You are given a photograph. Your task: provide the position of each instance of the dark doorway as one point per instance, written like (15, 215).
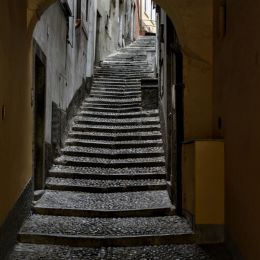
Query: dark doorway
(39, 97)
(97, 53)
(175, 114)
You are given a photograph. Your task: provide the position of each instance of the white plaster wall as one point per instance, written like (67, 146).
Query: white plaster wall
(66, 63)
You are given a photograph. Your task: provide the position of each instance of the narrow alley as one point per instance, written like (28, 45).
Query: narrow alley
(107, 192)
(129, 130)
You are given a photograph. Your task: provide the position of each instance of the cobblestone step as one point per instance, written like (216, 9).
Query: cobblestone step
(117, 121)
(105, 186)
(118, 106)
(119, 82)
(113, 96)
(116, 128)
(110, 110)
(118, 204)
(118, 88)
(144, 173)
(148, 113)
(111, 100)
(155, 135)
(115, 89)
(108, 76)
(109, 163)
(115, 93)
(114, 144)
(113, 154)
(113, 74)
(161, 252)
(96, 232)
(115, 104)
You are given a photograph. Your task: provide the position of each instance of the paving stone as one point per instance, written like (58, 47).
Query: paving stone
(113, 144)
(115, 121)
(104, 183)
(110, 171)
(112, 153)
(76, 226)
(104, 201)
(132, 114)
(89, 134)
(65, 158)
(117, 128)
(163, 252)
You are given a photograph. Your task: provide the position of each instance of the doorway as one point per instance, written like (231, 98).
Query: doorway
(97, 48)
(175, 114)
(39, 104)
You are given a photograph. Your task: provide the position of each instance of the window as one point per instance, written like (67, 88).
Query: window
(78, 14)
(66, 8)
(87, 8)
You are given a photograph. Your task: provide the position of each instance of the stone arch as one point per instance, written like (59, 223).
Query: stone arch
(35, 8)
(193, 21)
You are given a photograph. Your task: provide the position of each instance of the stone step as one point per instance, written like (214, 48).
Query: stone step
(112, 101)
(114, 144)
(118, 204)
(60, 171)
(158, 252)
(133, 106)
(113, 74)
(105, 186)
(113, 154)
(109, 163)
(114, 96)
(115, 89)
(116, 128)
(117, 81)
(115, 137)
(116, 93)
(106, 76)
(97, 232)
(146, 113)
(116, 121)
(117, 69)
(110, 110)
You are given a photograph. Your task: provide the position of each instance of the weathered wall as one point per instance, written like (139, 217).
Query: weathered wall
(194, 25)
(109, 24)
(116, 26)
(148, 16)
(91, 48)
(237, 100)
(66, 61)
(15, 96)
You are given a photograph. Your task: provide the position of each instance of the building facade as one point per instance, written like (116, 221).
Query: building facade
(147, 16)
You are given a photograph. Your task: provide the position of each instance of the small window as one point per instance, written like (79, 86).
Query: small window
(66, 8)
(87, 8)
(78, 14)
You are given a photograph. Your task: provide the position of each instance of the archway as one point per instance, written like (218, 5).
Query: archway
(191, 20)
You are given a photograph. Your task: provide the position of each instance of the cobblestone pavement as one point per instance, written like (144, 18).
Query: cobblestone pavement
(164, 252)
(106, 194)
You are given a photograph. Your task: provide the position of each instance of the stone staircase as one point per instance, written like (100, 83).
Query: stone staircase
(106, 195)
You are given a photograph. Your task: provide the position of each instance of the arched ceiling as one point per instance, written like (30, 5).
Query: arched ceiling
(193, 21)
